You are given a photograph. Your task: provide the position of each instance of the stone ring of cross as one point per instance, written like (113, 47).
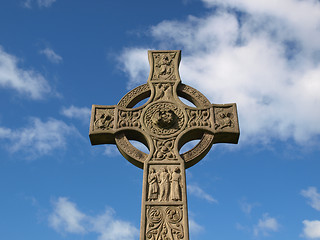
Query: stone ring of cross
(164, 123)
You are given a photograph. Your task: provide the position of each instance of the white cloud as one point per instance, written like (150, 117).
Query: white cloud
(266, 59)
(66, 218)
(311, 229)
(24, 81)
(82, 113)
(135, 61)
(51, 55)
(266, 225)
(110, 228)
(39, 138)
(313, 196)
(200, 193)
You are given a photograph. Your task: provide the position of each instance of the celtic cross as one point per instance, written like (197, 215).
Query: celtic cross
(164, 124)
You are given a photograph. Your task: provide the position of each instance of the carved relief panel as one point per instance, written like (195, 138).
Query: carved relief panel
(224, 118)
(163, 66)
(164, 222)
(198, 118)
(129, 118)
(164, 183)
(164, 149)
(104, 118)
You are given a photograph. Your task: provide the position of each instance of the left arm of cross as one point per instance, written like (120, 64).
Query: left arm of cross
(106, 121)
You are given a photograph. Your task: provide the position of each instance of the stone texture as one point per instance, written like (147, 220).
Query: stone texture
(164, 124)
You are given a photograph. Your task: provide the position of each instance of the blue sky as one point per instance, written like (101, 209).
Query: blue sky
(57, 58)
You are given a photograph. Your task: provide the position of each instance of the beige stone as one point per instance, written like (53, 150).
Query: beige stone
(164, 124)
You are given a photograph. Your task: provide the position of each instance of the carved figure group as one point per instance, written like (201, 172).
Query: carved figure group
(164, 185)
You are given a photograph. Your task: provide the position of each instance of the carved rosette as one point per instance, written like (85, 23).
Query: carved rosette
(163, 65)
(198, 118)
(164, 223)
(129, 118)
(224, 118)
(163, 119)
(104, 119)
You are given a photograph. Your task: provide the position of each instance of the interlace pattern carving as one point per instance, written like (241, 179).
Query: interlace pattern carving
(198, 118)
(129, 118)
(164, 223)
(164, 150)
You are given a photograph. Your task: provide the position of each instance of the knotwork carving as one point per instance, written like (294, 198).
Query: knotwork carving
(163, 66)
(198, 118)
(163, 150)
(104, 119)
(163, 118)
(164, 223)
(129, 118)
(224, 118)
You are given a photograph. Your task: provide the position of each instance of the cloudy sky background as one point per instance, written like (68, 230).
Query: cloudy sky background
(57, 58)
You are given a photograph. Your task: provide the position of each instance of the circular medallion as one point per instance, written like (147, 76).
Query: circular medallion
(163, 119)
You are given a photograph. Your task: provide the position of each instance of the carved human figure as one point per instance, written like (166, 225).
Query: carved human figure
(176, 185)
(164, 65)
(153, 185)
(164, 180)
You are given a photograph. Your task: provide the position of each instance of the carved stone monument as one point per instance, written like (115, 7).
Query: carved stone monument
(164, 124)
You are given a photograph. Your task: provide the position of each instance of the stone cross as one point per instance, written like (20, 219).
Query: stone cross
(164, 124)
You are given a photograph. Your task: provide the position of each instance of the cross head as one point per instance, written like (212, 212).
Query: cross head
(164, 124)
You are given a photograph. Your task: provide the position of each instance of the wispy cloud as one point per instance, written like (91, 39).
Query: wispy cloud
(51, 55)
(38, 138)
(28, 82)
(313, 197)
(194, 227)
(247, 207)
(264, 56)
(200, 193)
(311, 229)
(111, 151)
(81, 113)
(266, 225)
(67, 218)
(40, 3)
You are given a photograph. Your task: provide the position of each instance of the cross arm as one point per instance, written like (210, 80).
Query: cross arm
(107, 121)
(219, 119)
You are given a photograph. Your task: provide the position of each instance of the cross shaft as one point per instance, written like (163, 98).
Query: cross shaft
(164, 124)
